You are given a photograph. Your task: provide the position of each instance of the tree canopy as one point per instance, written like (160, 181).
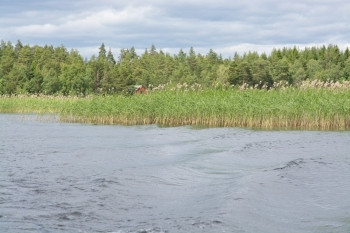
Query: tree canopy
(55, 70)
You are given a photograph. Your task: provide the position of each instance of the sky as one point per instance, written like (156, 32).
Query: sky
(226, 26)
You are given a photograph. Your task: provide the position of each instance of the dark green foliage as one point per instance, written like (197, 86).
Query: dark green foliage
(50, 70)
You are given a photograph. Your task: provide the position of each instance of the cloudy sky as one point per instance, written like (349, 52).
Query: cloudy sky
(227, 26)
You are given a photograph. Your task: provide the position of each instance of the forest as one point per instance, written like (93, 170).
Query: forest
(50, 70)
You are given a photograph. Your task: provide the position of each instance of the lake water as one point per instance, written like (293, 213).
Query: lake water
(61, 177)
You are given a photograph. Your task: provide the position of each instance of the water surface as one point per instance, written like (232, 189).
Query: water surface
(60, 177)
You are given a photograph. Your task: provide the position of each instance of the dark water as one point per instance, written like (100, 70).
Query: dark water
(57, 177)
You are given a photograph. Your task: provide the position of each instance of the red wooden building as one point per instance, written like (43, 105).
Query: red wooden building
(140, 89)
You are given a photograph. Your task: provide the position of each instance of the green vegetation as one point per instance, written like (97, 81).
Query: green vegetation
(282, 108)
(48, 70)
(289, 88)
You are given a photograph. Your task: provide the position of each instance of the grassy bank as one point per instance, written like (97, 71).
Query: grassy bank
(291, 108)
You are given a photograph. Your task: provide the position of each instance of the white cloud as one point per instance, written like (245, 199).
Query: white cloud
(224, 25)
(87, 22)
(36, 29)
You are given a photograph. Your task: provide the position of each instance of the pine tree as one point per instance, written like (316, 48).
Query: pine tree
(102, 52)
(110, 57)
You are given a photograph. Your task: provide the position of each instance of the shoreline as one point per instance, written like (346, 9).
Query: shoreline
(289, 109)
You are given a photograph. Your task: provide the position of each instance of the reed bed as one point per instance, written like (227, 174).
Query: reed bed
(287, 108)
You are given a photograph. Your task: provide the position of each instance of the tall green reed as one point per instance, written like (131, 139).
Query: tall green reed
(287, 108)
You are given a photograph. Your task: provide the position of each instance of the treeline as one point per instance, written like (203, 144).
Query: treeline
(55, 70)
